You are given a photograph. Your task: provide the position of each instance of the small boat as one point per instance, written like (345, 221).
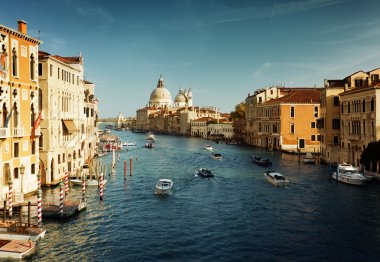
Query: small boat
(149, 145)
(164, 186)
(216, 156)
(130, 144)
(276, 178)
(348, 174)
(16, 249)
(261, 161)
(205, 173)
(209, 147)
(150, 136)
(309, 158)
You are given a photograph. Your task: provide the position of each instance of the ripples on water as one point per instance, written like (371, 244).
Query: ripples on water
(236, 216)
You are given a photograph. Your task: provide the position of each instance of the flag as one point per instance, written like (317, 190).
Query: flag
(36, 125)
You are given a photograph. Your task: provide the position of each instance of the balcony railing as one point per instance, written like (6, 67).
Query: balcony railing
(18, 131)
(4, 132)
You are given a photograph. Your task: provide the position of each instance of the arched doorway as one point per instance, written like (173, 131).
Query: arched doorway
(52, 170)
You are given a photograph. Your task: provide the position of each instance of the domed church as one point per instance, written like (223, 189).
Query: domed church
(160, 97)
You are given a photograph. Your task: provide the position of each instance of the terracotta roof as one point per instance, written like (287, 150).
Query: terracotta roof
(359, 89)
(299, 96)
(69, 59)
(87, 82)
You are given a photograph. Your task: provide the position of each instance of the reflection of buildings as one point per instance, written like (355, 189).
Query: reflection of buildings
(19, 105)
(162, 115)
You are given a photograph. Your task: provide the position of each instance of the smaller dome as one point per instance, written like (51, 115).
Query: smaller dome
(180, 98)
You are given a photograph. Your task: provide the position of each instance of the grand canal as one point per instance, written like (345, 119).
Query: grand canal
(237, 216)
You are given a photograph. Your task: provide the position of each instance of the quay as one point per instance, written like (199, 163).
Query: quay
(69, 209)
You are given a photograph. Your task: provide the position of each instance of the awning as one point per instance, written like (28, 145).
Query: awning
(70, 125)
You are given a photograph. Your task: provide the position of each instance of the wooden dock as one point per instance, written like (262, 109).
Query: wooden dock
(70, 209)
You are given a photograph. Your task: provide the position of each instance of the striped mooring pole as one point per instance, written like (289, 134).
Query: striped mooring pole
(61, 199)
(39, 208)
(39, 180)
(83, 189)
(101, 186)
(10, 199)
(66, 183)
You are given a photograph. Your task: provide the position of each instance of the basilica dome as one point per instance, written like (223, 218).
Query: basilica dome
(160, 95)
(180, 98)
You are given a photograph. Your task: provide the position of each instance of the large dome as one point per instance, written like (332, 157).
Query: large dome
(160, 96)
(180, 98)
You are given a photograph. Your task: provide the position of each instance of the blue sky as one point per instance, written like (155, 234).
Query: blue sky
(222, 49)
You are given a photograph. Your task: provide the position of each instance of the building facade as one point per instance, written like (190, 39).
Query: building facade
(19, 129)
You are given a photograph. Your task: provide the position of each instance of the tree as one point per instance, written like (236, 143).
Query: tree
(239, 112)
(371, 156)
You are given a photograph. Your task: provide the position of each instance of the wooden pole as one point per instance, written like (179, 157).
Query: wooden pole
(29, 205)
(130, 166)
(5, 211)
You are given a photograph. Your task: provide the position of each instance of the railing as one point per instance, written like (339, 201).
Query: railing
(18, 131)
(4, 132)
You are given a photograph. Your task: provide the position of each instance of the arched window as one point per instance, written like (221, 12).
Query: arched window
(14, 62)
(32, 67)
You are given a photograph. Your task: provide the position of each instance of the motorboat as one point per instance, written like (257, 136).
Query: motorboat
(149, 145)
(205, 173)
(16, 249)
(209, 147)
(347, 173)
(261, 161)
(276, 178)
(150, 136)
(309, 158)
(164, 186)
(216, 156)
(128, 144)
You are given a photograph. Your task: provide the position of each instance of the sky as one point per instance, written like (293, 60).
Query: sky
(222, 49)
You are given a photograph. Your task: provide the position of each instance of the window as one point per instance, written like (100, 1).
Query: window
(33, 147)
(292, 128)
(40, 69)
(312, 138)
(32, 67)
(372, 104)
(342, 111)
(336, 100)
(349, 108)
(41, 141)
(260, 99)
(335, 124)
(312, 125)
(315, 111)
(292, 113)
(336, 140)
(39, 99)
(33, 169)
(51, 70)
(58, 73)
(319, 137)
(14, 63)
(15, 149)
(15, 171)
(363, 106)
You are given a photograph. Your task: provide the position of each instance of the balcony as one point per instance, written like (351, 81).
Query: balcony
(4, 132)
(18, 131)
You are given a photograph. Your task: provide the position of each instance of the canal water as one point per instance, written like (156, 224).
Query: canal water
(236, 216)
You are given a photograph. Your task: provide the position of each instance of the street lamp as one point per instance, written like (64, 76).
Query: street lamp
(22, 169)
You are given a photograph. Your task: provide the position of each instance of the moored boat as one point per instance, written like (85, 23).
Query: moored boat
(205, 173)
(16, 249)
(89, 182)
(164, 186)
(276, 178)
(309, 159)
(261, 161)
(347, 173)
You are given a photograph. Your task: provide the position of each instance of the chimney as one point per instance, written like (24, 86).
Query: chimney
(22, 27)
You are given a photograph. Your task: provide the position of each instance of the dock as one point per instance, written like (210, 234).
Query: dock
(70, 209)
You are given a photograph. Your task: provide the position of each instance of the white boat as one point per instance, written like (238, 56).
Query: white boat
(164, 186)
(89, 182)
(309, 159)
(216, 156)
(150, 136)
(276, 178)
(209, 147)
(348, 174)
(16, 249)
(20, 231)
